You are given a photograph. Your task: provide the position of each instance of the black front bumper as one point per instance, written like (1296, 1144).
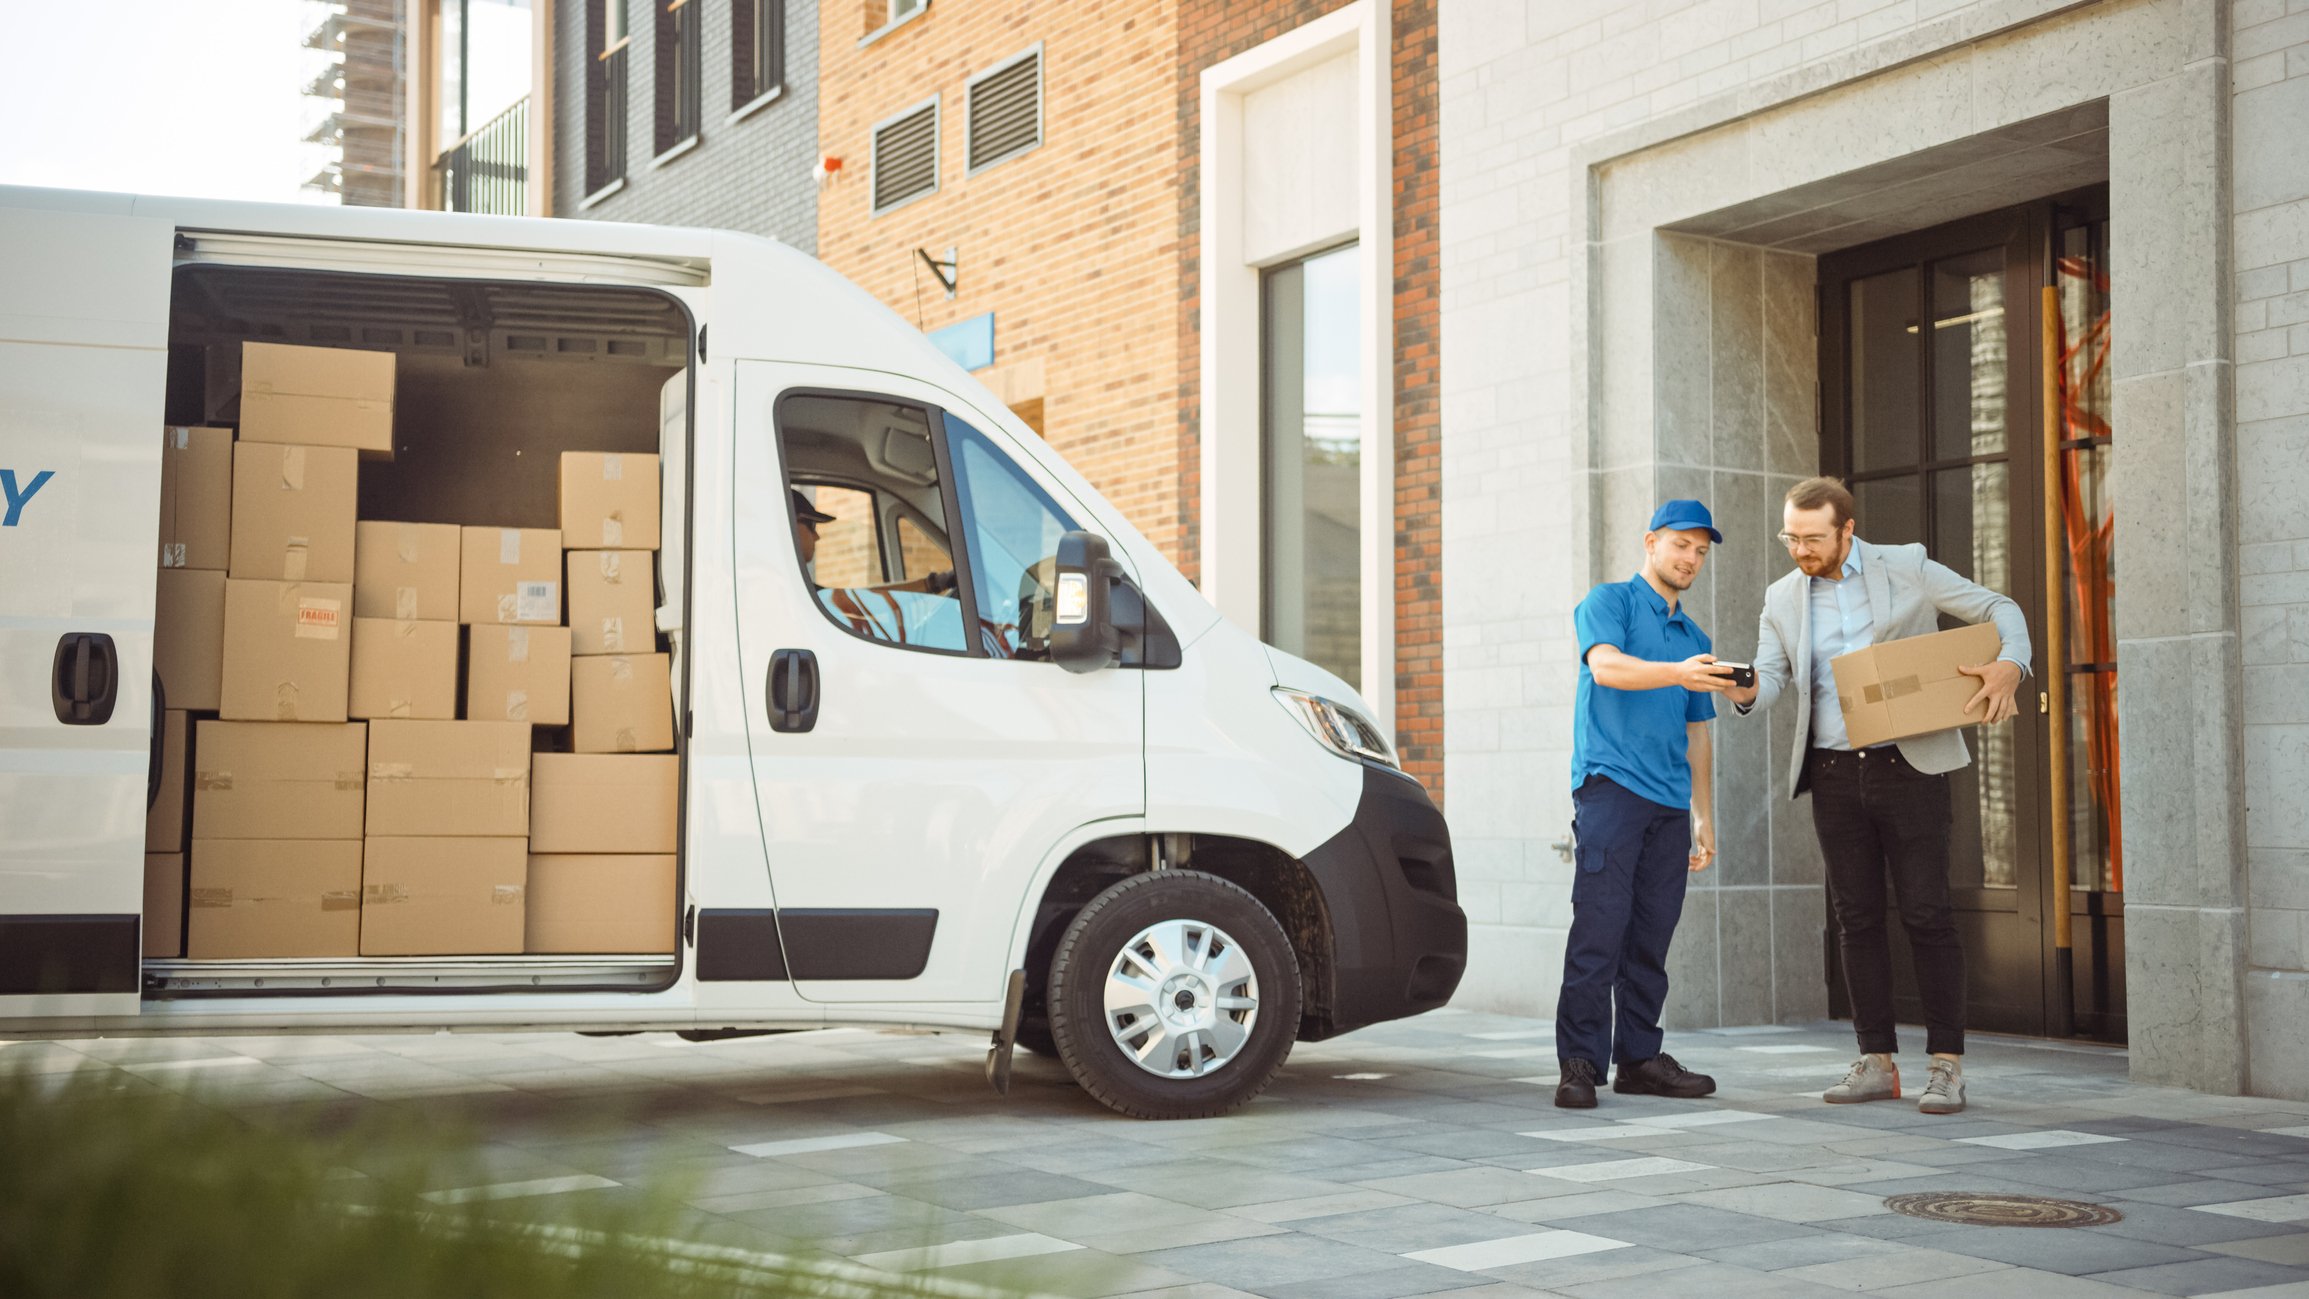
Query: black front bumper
(1398, 937)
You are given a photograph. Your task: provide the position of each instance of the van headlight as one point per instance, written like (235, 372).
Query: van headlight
(1336, 727)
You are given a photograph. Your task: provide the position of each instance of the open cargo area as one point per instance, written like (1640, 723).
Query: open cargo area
(417, 706)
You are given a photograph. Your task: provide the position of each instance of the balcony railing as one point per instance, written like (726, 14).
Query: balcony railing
(488, 171)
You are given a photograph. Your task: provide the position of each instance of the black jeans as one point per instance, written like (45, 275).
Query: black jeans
(1878, 816)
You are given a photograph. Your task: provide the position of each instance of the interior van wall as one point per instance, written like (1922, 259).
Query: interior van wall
(483, 444)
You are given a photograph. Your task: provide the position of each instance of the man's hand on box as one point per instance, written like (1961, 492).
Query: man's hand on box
(1998, 683)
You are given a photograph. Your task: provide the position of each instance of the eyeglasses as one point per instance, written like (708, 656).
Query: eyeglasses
(1812, 542)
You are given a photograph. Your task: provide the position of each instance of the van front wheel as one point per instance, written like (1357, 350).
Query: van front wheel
(1174, 995)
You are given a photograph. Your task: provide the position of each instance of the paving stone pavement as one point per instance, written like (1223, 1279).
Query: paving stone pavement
(1422, 1157)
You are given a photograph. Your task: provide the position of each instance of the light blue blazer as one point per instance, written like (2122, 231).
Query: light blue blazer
(1907, 593)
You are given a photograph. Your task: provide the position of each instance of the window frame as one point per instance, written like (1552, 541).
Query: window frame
(935, 103)
(607, 142)
(949, 498)
(748, 90)
(1041, 107)
(678, 47)
(1268, 449)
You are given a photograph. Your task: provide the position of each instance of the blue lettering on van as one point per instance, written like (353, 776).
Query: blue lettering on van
(16, 498)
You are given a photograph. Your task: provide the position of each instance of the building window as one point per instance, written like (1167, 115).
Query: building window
(678, 65)
(1312, 439)
(906, 156)
(901, 9)
(757, 50)
(481, 62)
(605, 94)
(1004, 110)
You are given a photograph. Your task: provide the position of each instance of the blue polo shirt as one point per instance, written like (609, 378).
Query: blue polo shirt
(1636, 737)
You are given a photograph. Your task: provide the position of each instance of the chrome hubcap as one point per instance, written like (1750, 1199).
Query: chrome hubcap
(1181, 999)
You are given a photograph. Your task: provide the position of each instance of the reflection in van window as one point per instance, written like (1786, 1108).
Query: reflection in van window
(870, 525)
(1013, 527)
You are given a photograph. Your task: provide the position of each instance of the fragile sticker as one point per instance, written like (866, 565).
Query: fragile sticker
(537, 601)
(318, 619)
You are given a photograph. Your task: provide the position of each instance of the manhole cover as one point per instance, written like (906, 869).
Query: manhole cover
(1975, 1209)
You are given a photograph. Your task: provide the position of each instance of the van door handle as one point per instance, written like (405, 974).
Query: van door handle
(87, 678)
(793, 690)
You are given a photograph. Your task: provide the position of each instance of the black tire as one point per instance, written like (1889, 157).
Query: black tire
(1093, 946)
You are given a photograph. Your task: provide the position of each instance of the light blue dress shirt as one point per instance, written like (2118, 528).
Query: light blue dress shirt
(1841, 623)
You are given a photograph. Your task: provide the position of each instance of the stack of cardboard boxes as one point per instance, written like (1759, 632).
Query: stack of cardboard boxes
(339, 801)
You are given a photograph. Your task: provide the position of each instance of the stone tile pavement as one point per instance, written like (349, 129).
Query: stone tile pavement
(1414, 1158)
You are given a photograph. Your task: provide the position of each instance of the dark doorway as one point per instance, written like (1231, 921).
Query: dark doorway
(1942, 361)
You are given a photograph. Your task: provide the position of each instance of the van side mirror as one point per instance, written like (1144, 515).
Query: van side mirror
(1083, 636)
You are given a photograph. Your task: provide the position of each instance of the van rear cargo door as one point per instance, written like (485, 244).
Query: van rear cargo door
(83, 374)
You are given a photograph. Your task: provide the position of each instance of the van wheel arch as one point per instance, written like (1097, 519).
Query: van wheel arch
(1280, 882)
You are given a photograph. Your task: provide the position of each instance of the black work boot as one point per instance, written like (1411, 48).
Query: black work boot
(1662, 1076)
(1576, 1089)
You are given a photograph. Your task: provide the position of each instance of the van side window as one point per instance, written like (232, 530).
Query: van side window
(1013, 528)
(869, 516)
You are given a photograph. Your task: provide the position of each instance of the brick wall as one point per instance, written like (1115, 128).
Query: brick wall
(753, 175)
(1071, 245)
(1210, 32)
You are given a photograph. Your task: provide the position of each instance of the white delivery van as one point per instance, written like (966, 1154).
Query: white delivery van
(1006, 770)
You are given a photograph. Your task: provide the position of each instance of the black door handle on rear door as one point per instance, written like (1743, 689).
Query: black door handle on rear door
(87, 678)
(793, 690)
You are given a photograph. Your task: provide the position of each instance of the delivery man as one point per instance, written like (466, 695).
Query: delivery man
(1641, 812)
(1882, 809)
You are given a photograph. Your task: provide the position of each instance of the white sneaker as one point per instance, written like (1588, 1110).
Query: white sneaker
(1943, 1089)
(1867, 1081)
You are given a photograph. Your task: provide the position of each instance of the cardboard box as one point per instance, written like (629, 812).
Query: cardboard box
(164, 821)
(1900, 688)
(279, 780)
(188, 636)
(254, 898)
(603, 802)
(403, 669)
(510, 575)
(406, 570)
(443, 897)
(196, 497)
(288, 651)
(600, 903)
(517, 674)
(609, 501)
(164, 904)
(292, 512)
(612, 601)
(621, 703)
(448, 778)
(317, 396)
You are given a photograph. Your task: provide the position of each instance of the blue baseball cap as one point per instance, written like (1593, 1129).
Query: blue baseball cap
(1679, 515)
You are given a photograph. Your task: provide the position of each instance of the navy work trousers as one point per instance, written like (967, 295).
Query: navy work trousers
(1634, 860)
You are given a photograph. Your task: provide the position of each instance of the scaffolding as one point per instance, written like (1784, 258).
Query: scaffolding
(363, 86)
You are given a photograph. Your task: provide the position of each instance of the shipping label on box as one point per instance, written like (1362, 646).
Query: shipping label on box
(279, 780)
(256, 898)
(448, 778)
(510, 575)
(164, 904)
(288, 651)
(603, 802)
(1902, 688)
(403, 669)
(292, 512)
(517, 674)
(188, 636)
(443, 897)
(609, 501)
(612, 601)
(621, 703)
(406, 570)
(318, 396)
(601, 904)
(164, 821)
(196, 497)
